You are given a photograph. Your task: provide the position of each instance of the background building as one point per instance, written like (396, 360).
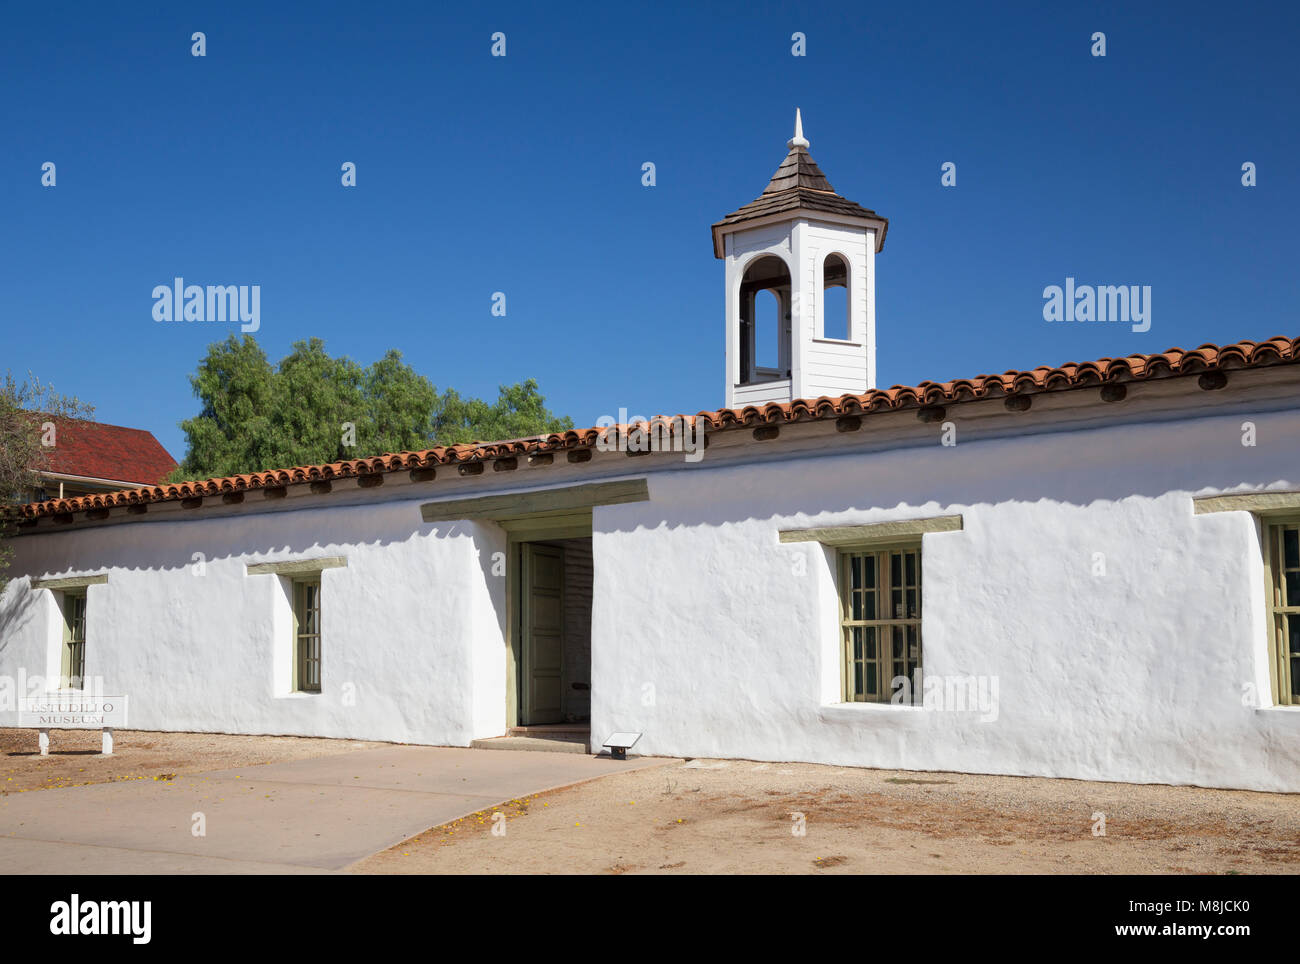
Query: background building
(89, 457)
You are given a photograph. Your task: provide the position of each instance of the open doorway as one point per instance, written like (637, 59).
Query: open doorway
(553, 629)
(549, 569)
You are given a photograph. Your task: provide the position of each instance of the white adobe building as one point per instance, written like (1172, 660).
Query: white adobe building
(1099, 580)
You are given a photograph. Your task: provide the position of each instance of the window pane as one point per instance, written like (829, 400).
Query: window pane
(881, 585)
(1291, 548)
(313, 663)
(871, 657)
(74, 608)
(1292, 624)
(862, 581)
(78, 621)
(856, 651)
(898, 665)
(1292, 597)
(864, 605)
(307, 612)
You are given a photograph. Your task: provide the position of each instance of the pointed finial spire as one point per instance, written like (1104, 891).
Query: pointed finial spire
(798, 140)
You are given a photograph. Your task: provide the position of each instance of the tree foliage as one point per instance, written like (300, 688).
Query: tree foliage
(312, 408)
(519, 411)
(26, 410)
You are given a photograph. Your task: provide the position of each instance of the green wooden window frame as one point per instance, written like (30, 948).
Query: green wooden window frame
(880, 619)
(306, 635)
(72, 665)
(1282, 559)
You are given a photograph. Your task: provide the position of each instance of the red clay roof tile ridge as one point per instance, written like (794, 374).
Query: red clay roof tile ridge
(1241, 354)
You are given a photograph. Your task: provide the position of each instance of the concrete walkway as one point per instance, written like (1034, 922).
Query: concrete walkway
(303, 816)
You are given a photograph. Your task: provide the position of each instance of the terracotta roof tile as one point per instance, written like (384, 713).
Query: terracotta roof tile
(1175, 361)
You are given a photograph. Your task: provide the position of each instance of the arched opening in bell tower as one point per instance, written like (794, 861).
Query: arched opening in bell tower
(765, 314)
(836, 320)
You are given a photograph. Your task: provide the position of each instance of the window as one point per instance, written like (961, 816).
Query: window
(306, 635)
(880, 613)
(72, 669)
(764, 337)
(879, 585)
(1282, 554)
(835, 298)
(299, 644)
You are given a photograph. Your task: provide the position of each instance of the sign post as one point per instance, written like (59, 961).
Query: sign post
(72, 711)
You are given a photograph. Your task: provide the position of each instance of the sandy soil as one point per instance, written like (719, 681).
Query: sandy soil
(138, 755)
(706, 816)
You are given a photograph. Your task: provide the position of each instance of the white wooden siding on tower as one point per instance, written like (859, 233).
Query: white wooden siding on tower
(833, 366)
(760, 393)
(743, 249)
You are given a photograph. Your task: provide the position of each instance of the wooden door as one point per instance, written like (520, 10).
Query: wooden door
(541, 634)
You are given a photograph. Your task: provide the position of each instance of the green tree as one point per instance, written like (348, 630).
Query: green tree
(25, 408)
(322, 411)
(236, 427)
(312, 408)
(520, 411)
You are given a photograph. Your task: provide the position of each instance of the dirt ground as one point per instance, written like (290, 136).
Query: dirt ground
(707, 816)
(715, 816)
(138, 755)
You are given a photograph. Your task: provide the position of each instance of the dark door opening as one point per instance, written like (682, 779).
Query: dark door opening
(555, 632)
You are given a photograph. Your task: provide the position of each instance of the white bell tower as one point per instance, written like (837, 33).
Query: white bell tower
(784, 252)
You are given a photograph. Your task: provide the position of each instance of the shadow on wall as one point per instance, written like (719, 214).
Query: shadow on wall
(1080, 469)
(163, 546)
(491, 562)
(13, 615)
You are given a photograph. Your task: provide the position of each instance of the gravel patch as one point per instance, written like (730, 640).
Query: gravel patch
(75, 759)
(716, 816)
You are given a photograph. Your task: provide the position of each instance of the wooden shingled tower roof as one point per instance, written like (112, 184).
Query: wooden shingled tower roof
(797, 185)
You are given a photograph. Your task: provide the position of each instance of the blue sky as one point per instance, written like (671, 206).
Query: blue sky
(522, 174)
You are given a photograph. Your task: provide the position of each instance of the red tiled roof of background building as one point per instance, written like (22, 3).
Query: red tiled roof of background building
(1071, 375)
(111, 452)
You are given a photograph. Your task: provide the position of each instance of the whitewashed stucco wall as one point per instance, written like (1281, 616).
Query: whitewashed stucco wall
(412, 627)
(714, 639)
